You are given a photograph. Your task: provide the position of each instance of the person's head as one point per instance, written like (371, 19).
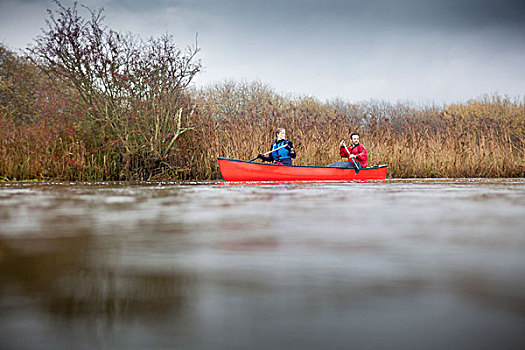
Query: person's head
(280, 133)
(355, 138)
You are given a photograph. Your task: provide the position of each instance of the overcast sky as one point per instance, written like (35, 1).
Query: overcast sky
(421, 51)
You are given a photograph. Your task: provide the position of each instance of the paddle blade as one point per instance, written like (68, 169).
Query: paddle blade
(357, 166)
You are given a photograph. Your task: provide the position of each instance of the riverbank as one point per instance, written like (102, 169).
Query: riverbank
(481, 138)
(47, 134)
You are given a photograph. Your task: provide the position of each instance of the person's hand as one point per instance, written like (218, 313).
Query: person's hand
(342, 143)
(289, 146)
(260, 156)
(353, 156)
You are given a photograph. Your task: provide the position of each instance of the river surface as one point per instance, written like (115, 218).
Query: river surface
(402, 264)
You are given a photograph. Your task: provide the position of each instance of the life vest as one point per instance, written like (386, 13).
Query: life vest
(282, 153)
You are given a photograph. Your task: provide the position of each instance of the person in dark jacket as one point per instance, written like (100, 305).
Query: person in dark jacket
(282, 151)
(356, 152)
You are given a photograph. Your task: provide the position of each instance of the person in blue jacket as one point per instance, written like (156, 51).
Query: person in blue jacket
(282, 150)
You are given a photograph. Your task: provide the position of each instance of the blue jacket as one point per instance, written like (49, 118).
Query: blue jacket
(283, 153)
(287, 152)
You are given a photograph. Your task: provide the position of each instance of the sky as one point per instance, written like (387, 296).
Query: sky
(421, 51)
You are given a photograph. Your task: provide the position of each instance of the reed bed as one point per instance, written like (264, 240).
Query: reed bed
(474, 139)
(481, 138)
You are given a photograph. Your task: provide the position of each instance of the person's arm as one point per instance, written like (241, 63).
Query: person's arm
(343, 152)
(269, 158)
(363, 154)
(291, 150)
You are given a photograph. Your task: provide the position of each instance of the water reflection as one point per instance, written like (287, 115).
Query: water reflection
(65, 278)
(398, 264)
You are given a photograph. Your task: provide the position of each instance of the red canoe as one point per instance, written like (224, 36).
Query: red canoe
(240, 170)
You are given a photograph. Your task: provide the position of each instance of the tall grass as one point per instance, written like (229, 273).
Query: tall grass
(481, 138)
(474, 139)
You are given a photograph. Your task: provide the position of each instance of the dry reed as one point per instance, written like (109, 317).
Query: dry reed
(481, 138)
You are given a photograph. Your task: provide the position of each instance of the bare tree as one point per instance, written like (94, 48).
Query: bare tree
(130, 89)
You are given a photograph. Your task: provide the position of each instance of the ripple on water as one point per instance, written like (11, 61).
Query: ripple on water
(405, 263)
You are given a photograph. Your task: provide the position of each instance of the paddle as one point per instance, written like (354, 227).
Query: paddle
(356, 164)
(286, 144)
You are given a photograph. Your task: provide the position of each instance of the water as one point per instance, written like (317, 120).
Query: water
(402, 264)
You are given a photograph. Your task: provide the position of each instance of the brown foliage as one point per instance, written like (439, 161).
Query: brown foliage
(128, 94)
(237, 120)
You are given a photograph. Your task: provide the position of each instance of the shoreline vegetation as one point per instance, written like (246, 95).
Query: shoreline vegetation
(86, 103)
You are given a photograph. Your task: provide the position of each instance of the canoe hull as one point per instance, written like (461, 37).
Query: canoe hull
(240, 170)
